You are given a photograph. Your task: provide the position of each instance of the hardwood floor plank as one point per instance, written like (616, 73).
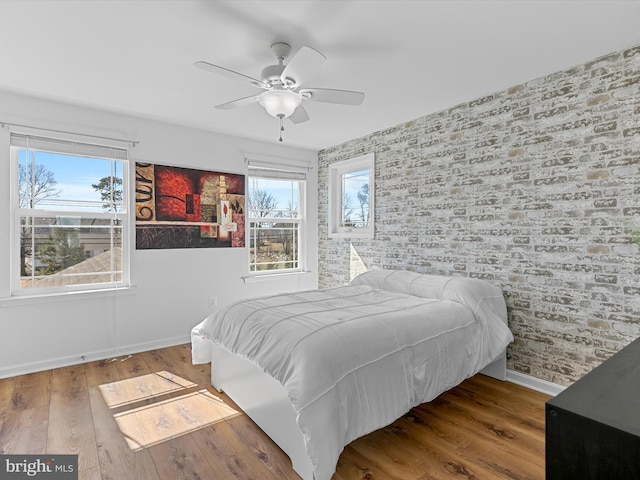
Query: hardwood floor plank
(462, 451)
(93, 474)
(70, 427)
(511, 398)
(7, 386)
(503, 428)
(455, 436)
(181, 354)
(353, 466)
(25, 431)
(30, 391)
(424, 454)
(227, 455)
(101, 372)
(483, 429)
(181, 459)
(385, 461)
(132, 365)
(492, 444)
(117, 460)
(273, 462)
(261, 452)
(160, 359)
(177, 360)
(24, 413)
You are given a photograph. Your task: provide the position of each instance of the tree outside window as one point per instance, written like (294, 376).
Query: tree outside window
(351, 197)
(40, 185)
(274, 228)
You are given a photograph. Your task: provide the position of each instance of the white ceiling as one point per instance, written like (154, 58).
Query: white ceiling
(411, 58)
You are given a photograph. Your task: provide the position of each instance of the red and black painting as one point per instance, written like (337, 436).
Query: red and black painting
(187, 208)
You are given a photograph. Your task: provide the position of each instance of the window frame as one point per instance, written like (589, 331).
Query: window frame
(336, 172)
(283, 172)
(121, 218)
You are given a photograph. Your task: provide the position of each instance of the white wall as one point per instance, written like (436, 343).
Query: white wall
(171, 287)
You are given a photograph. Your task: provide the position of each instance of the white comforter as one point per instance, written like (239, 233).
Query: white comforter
(353, 359)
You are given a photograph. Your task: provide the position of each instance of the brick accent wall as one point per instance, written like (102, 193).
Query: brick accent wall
(529, 188)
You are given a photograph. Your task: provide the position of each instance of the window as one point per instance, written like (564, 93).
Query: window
(69, 215)
(351, 197)
(275, 207)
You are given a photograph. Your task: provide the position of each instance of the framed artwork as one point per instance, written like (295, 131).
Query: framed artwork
(188, 208)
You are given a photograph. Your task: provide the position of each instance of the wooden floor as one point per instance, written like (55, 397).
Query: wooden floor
(155, 416)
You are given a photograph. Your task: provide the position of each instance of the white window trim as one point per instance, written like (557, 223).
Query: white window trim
(336, 170)
(48, 294)
(261, 163)
(42, 298)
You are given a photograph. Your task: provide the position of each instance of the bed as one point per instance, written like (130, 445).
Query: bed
(318, 369)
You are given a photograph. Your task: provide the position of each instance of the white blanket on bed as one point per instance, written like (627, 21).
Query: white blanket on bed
(353, 359)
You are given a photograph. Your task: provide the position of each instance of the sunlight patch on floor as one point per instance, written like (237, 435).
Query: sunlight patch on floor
(152, 424)
(156, 421)
(132, 390)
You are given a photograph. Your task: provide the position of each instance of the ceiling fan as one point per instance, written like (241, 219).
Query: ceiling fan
(283, 96)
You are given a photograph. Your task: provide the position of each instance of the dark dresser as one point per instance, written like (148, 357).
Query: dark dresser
(593, 427)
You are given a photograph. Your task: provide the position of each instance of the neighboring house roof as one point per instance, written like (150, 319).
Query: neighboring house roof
(96, 269)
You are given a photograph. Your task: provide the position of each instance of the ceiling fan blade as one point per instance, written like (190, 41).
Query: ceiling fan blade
(241, 102)
(303, 65)
(225, 72)
(299, 115)
(328, 95)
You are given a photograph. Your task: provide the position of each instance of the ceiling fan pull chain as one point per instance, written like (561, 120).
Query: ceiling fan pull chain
(281, 126)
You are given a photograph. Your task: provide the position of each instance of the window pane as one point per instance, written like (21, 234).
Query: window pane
(274, 245)
(273, 198)
(351, 197)
(59, 251)
(274, 229)
(71, 215)
(355, 199)
(55, 181)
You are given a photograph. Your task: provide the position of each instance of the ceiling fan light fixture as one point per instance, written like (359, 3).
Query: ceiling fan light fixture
(280, 103)
(283, 98)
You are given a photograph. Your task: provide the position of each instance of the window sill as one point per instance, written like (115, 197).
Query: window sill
(64, 297)
(272, 276)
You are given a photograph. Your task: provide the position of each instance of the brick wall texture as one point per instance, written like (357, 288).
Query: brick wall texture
(530, 188)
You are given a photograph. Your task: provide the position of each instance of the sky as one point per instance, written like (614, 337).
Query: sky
(74, 176)
(283, 191)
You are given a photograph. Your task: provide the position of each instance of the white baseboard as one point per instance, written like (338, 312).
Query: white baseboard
(534, 383)
(518, 378)
(31, 367)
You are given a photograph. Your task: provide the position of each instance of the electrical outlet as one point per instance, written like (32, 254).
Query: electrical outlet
(213, 301)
